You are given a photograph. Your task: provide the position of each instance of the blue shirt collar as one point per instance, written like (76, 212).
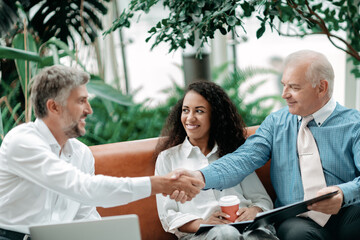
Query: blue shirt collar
(323, 113)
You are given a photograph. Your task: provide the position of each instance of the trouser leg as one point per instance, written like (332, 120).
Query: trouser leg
(298, 228)
(219, 232)
(345, 226)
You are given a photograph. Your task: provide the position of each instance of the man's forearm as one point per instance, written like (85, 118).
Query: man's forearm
(157, 184)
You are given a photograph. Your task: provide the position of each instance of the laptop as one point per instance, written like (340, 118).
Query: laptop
(124, 227)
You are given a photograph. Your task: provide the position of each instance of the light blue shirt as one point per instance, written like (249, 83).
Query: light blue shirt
(337, 134)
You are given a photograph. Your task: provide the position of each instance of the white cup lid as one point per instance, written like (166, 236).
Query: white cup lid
(229, 200)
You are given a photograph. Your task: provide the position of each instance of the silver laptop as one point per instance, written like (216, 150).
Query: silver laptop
(122, 227)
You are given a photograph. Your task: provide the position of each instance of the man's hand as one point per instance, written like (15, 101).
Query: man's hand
(195, 174)
(180, 196)
(331, 205)
(180, 184)
(246, 214)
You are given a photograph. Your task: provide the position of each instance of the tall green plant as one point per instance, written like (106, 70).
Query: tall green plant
(240, 88)
(11, 110)
(14, 90)
(65, 20)
(52, 23)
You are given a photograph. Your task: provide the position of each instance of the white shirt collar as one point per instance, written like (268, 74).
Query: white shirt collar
(187, 147)
(323, 113)
(45, 131)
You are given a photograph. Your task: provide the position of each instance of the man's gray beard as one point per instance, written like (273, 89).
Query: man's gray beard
(73, 131)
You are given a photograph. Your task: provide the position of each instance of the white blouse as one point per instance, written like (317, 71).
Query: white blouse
(40, 185)
(173, 215)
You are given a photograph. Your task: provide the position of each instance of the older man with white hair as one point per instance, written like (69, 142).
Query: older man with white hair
(314, 146)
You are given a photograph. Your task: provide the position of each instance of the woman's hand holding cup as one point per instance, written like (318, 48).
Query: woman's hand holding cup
(247, 213)
(230, 206)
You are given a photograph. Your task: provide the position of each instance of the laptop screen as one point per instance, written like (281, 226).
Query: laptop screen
(108, 228)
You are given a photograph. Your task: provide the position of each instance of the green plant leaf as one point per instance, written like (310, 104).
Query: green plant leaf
(201, 3)
(26, 69)
(231, 21)
(152, 30)
(63, 46)
(14, 53)
(105, 91)
(260, 31)
(164, 22)
(1, 126)
(56, 59)
(66, 19)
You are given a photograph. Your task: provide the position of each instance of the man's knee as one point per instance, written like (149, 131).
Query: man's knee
(299, 229)
(347, 223)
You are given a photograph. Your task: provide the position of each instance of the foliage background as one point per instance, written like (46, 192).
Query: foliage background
(189, 20)
(29, 42)
(112, 122)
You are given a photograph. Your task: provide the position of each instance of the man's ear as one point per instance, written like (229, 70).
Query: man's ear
(52, 106)
(323, 87)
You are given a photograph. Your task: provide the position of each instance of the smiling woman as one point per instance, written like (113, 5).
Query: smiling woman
(195, 117)
(201, 127)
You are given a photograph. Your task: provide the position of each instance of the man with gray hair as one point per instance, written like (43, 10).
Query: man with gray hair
(314, 147)
(47, 176)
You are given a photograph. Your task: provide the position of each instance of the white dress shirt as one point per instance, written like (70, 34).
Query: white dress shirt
(41, 185)
(173, 215)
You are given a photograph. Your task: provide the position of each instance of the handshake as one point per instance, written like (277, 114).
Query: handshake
(182, 185)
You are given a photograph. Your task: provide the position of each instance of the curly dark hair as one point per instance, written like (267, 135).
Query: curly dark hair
(227, 126)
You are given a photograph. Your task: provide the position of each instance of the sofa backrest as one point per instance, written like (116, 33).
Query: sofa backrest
(131, 159)
(263, 172)
(134, 159)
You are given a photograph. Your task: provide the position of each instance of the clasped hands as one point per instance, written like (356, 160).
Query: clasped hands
(182, 185)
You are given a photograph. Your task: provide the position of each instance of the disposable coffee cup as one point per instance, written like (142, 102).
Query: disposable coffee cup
(230, 205)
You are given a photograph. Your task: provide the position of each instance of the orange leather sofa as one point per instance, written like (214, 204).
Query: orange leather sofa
(134, 159)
